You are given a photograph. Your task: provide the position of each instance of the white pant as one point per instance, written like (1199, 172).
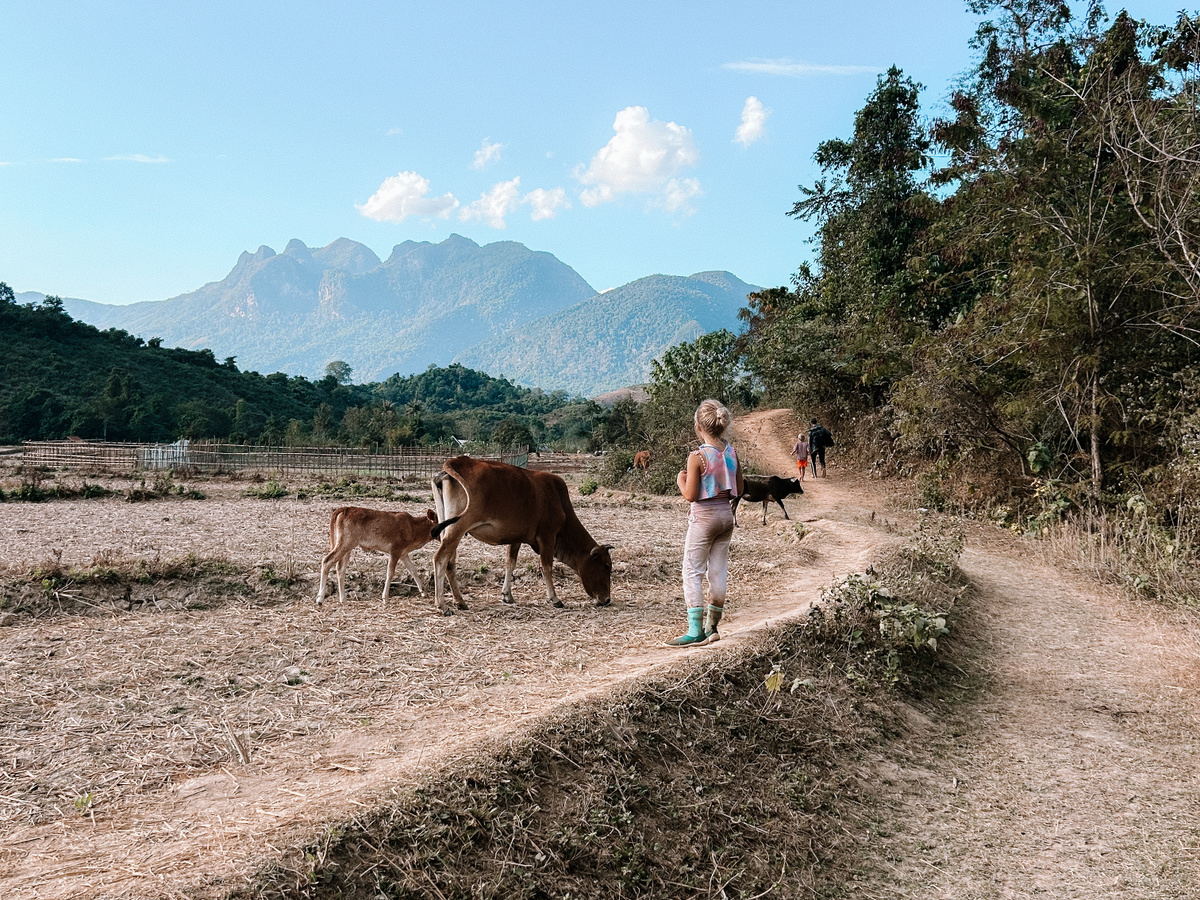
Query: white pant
(706, 551)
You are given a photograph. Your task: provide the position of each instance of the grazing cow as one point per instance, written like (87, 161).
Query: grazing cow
(501, 504)
(641, 460)
(765, 490)
(395, 533)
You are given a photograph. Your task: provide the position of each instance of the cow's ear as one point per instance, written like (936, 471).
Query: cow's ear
(596, 550)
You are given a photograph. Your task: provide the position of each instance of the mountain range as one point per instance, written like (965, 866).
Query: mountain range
(501, 308)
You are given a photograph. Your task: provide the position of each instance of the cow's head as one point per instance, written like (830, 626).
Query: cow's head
(596, 574)
(791, 486)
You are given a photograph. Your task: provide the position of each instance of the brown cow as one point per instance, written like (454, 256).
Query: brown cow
(641, 460)
(395, 533)
(501, 504)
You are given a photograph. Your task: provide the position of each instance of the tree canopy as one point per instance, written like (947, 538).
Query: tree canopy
(1028, 305)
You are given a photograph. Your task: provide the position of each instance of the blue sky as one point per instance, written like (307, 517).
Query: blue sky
(144, 146)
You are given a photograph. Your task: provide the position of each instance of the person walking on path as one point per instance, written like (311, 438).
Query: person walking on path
(819, 439)
(800, 453)
(712, 478)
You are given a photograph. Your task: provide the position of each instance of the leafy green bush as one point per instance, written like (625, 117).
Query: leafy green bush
(615, 468)
(875, 623)
(588, 486)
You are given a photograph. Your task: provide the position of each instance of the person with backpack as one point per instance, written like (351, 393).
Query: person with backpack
(819, 439)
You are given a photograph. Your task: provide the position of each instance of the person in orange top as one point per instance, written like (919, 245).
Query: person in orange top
(712, 478)
(800, 453)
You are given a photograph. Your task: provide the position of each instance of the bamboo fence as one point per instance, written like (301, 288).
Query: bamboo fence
(213, 457)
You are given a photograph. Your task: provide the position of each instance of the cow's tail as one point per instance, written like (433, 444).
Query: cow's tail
(437, 529)
(335, 526)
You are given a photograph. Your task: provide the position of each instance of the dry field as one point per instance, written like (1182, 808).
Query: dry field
(166, 738)
(179, 738)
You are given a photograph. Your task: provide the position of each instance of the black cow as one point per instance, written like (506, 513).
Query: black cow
(765, 490)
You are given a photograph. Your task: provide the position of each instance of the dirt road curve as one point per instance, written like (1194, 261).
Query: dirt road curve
(1070, 773)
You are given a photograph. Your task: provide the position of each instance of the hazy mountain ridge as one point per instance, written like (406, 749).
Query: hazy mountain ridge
(297, 310)
(501, 307)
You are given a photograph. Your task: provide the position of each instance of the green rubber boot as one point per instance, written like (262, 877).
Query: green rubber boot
(711, 621)
(695, 633)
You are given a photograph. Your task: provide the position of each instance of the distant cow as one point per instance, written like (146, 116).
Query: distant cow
(641, 460)
(501, 504)
(765, 490)
(395, 533)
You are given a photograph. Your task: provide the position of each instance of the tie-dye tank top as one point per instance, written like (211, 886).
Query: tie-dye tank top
(719, 473)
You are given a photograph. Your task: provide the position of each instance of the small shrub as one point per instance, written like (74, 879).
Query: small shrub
(285, 576)
(873, 631)
(616, 467)
(877, 622)
(162, 487)
(32, 491)
(588, 486)
(271, 490)
(349, 488)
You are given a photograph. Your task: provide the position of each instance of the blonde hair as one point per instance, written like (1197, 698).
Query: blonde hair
(713, 418)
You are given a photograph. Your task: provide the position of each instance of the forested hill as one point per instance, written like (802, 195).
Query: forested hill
(610, 340)
(60, 377)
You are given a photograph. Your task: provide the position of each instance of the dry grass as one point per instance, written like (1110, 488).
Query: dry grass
(1142, 558)
(702, 782)
(153, 646)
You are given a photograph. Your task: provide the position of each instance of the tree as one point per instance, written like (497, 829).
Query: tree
(1070, 289)
(709, 366)
(1154, 133)
(114, 405)
(514, 432)
(840, 337)
(339, 370)
(868, 210)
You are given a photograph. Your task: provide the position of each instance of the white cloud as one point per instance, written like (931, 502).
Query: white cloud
(643, 157)
(678, 194)
(66, 159)
(754, 122)
(137, 158)
(392, 132)
(486, 153)
(546, 204)
(403, 195)
(791, 69)
(496, 204)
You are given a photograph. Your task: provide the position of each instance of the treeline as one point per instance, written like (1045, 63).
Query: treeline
(60, 377)
(1004, 300)
(1013, 288)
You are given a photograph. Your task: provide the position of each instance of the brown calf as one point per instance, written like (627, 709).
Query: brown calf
(641, 460)
(395, 533)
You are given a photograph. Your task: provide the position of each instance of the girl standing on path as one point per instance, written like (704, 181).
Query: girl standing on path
(800, 453)
(712, 478)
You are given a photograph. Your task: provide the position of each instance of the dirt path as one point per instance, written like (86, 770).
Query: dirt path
(1073, 772)
(1067, 772)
